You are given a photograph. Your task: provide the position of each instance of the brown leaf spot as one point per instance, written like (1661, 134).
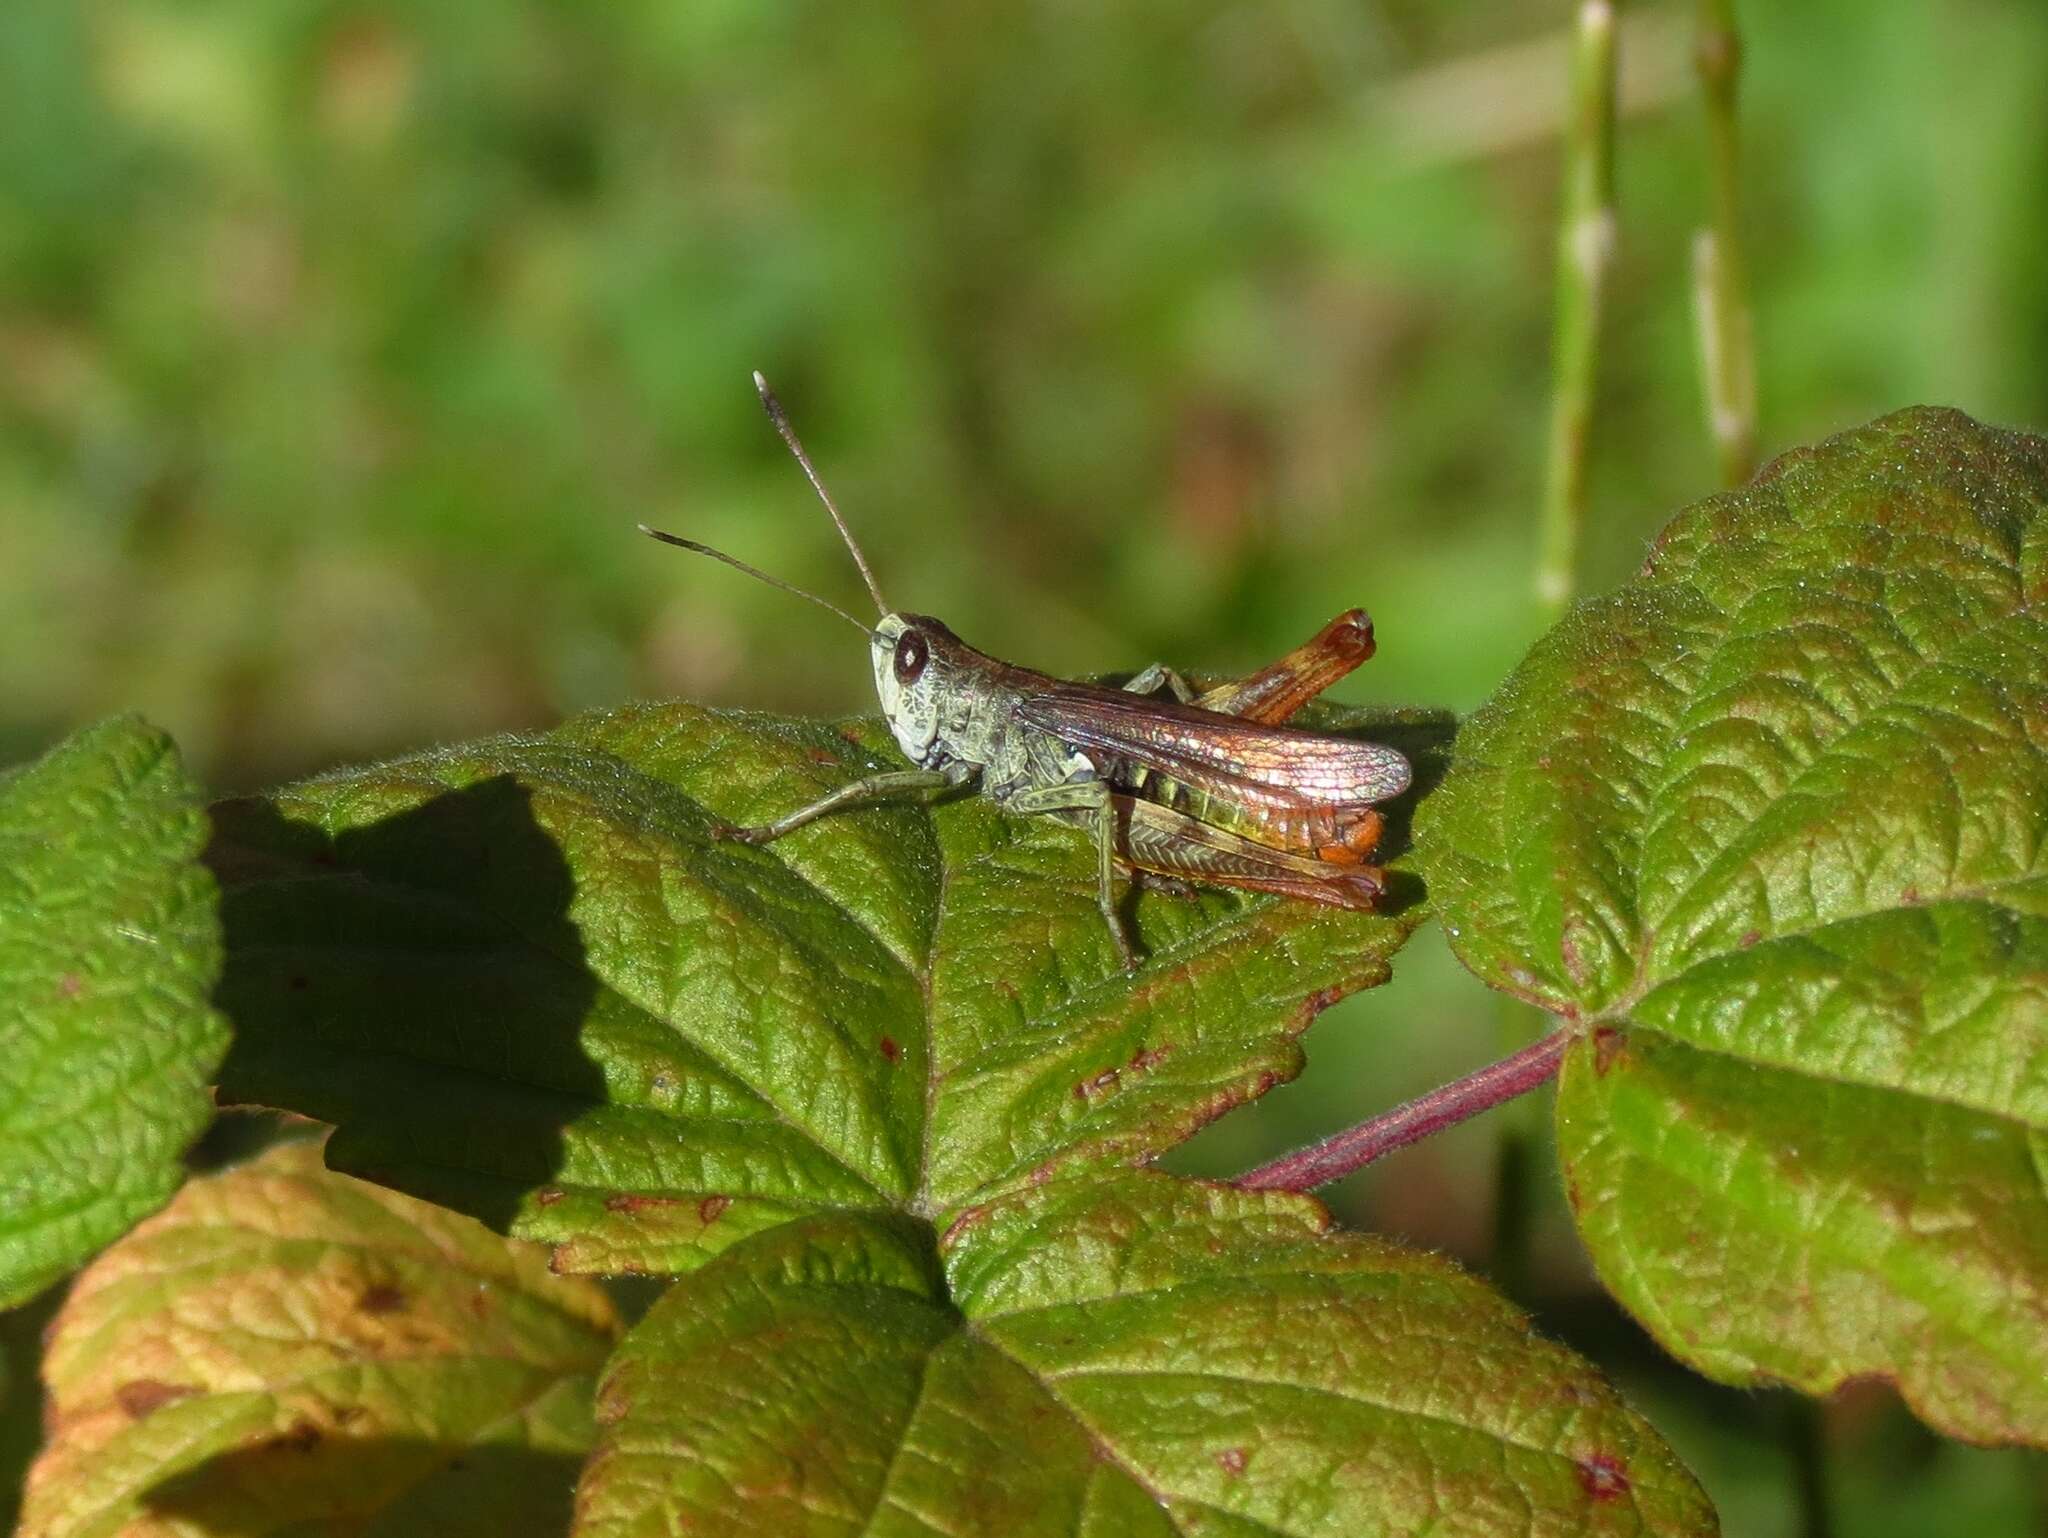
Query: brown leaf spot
(1088, 1089)
(1910, 898)
(633, 1201)
(889, 1048)
(145, 1396)
(1315, 1004)
(1144, 1060)
(1231, 1460)
(1608, 1044)
(1603, 1477)
(712, 1208)
(961, 1224)
(71, 985)
(1572, 956)
(381, 1298)
(548, 1197)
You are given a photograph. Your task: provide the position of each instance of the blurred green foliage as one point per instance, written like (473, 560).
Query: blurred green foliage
(342, 344)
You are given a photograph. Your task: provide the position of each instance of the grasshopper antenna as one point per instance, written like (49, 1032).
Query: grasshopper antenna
(758, 575)
(781, 420)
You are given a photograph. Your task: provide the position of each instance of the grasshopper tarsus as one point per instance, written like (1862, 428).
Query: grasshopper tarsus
(1121, 931)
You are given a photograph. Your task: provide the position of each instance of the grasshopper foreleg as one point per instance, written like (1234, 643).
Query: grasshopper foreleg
(886, 786)
(1089, 796)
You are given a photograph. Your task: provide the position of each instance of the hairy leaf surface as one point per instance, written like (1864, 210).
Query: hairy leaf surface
(1770, 827)
(288, 1350)
(1128, 1355)
(109, 945)
(525, 979)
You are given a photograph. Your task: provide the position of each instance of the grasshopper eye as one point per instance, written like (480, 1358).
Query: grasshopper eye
(911, 656)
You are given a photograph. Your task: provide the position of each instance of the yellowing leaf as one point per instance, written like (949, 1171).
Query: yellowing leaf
(284, 1349)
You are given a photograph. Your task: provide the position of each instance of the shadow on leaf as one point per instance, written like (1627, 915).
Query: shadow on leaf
(417, 982)
(302, 1480)
(1425, 738)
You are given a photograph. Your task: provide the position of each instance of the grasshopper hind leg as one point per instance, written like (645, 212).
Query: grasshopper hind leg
(1174, 845)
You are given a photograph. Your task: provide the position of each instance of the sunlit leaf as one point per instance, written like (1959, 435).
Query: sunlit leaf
(109, 945)
(1100, 1358)
(1769, 826)
(287, 1350)
(524, 980)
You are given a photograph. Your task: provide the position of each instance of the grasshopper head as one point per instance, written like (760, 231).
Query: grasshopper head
(912, 657)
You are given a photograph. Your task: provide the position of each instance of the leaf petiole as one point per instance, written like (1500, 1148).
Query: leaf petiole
(1460, 1100)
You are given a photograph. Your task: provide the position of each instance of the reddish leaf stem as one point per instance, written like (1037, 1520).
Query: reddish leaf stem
(1461, 1099)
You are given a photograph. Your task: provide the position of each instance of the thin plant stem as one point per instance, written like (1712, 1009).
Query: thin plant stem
(1805, 1432)
(1585, 253)
(1516, 1157)
(1720, 288)
(1460, 1100)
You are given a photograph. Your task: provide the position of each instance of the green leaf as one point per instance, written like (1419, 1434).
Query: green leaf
(1770, 827)
(286, 1350)
(524, 980)
(1127, 1355)
(109, 945)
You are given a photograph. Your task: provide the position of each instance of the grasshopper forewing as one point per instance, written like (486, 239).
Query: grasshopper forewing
(1223, 797)
(1208, 787)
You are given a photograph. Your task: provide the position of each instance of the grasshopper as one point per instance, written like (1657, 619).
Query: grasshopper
(1191, 787)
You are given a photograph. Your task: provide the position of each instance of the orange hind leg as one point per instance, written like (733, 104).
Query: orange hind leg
(1281, 688)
